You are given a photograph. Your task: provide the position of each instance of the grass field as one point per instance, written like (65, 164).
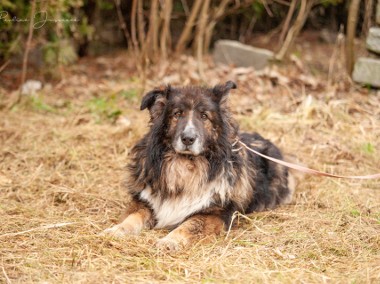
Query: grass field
(62, 158)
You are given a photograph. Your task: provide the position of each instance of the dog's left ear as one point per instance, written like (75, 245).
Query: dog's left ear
(155, 101)
(221, 91)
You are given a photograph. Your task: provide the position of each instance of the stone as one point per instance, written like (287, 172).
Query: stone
(241, 55)
(367, 71)
(373, 40)
(378, 12)
(31, 87)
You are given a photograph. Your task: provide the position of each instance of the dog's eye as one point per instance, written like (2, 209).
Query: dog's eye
(204, 116)
(178, 114)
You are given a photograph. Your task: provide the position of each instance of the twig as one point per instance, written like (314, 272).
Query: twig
(231, 223)
(4, 65)
(248, 31)
(185, 7)
(122, 23)
(8, 281)
(130, 38)
(266, 7)
(286, 3)
(45, 227)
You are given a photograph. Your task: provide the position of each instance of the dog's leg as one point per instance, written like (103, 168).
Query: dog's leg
(138, 217)
(195, 228)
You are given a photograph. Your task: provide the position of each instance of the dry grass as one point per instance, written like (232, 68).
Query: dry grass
(61, 167)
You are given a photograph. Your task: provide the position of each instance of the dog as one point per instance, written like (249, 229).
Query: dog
(188, 173)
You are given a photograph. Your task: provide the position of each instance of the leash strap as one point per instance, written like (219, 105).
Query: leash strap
(305, 169)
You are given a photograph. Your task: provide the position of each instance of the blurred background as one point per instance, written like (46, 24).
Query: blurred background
(40, 38)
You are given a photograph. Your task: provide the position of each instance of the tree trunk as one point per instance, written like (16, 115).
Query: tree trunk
(201, 27)
(140, 22)
(351, 29)
(152, 36)
(200, 35)
(133, 25)
(165, 41)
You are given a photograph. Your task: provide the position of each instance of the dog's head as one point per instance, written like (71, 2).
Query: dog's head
(192, 116)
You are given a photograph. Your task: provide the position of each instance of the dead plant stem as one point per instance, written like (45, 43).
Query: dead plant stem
(27, 48)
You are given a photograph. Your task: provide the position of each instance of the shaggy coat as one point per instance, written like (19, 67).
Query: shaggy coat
(188, 173)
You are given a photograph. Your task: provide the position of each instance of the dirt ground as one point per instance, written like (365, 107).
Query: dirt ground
(63, 152)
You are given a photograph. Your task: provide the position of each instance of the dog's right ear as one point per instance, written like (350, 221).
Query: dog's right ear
(155, 101)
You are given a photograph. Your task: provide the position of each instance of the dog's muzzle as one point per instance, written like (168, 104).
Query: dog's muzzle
(188, 138)
(188, 142)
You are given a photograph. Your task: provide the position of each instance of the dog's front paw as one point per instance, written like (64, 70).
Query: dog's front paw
(118, 231)
(169, 244)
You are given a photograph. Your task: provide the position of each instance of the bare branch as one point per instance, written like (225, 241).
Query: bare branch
(188, 26)
(303, 13)
(289, 17)
(218, 13)
(122, 22)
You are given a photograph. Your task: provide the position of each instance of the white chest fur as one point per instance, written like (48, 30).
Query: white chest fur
(172, 211)
(196, 193)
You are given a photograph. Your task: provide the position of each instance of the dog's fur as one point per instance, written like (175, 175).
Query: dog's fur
(189, 175)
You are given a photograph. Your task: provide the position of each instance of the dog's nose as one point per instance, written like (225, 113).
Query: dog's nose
(188, 139)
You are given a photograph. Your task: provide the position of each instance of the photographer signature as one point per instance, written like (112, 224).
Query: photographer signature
(41, 18)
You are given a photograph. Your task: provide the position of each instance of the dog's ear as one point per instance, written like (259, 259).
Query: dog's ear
(155, 101)
(221, 91)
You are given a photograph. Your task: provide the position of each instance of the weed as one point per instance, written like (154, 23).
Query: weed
(104, 108)
(130, 95)
(368, 148)
(37, 103)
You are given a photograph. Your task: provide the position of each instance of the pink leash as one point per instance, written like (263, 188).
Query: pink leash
(305, 169)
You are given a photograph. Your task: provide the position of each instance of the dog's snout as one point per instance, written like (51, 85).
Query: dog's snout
(188, 139)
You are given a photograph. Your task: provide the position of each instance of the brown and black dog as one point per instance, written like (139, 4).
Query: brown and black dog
(189, 175)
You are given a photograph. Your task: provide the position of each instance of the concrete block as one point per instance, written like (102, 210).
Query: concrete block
(373, 40)
(367, 71)
(241, 55)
